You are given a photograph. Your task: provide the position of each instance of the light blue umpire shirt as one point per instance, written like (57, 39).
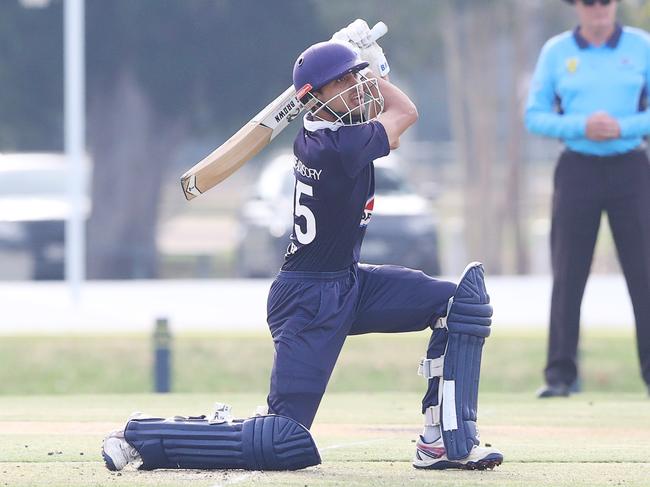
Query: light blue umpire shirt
(574, 79)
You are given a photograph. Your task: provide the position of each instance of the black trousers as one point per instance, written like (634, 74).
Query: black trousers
(584, 187)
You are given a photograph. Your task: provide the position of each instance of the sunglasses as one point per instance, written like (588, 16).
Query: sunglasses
(590, 3)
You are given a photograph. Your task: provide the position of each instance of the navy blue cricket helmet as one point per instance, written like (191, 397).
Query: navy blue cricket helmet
(322, 63)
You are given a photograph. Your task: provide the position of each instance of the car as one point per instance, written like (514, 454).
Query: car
(33, 210)
(403, 229)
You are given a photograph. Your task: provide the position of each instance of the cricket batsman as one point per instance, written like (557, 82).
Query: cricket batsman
(323, 294)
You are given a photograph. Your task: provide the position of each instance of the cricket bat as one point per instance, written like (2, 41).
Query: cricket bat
(250, 139)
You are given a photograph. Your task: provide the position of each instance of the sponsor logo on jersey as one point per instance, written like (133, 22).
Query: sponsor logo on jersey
(367, 211)
(291, 249)
(305, 171)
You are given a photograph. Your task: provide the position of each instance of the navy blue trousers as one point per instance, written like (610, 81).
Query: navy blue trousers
(584, 187)
(310, 315)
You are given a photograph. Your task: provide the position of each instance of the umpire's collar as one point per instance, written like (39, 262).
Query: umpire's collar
(612, 42)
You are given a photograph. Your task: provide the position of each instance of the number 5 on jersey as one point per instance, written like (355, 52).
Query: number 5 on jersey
(301, 210)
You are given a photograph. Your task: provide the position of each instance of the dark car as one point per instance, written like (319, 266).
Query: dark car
(33, 210)
(403, 229)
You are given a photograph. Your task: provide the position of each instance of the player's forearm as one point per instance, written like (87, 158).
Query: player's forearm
(395, 100)
(399, 112)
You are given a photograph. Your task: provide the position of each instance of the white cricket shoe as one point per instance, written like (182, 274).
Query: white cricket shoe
(117, 452)
(434, 456)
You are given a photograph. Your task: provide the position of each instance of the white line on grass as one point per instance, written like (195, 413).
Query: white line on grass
(355, 443)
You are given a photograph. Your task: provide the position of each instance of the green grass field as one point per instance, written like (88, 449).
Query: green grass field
(365, 439)
(59, 396)
(512, 362)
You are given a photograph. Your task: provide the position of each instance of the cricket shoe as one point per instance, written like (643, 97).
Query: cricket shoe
(116, 451)
(553, 390)
(433, 456)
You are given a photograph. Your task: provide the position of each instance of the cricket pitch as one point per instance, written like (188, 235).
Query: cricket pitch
(364, 439)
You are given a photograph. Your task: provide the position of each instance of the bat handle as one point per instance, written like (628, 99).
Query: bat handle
(379, 30)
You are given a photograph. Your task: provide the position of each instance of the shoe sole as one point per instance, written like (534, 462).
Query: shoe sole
(551, 395)
(108, 461)
(547, 392)
(487, 463)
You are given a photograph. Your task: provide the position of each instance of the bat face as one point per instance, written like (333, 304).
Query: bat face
(226, 159)
(242, 146)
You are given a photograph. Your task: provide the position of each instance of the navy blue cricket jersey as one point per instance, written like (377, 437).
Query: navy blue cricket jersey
(333, 194)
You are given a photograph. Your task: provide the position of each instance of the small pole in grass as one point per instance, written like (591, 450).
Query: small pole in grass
(162, 354)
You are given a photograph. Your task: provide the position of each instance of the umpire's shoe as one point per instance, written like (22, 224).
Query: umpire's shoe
(433, 456)
(553, 390)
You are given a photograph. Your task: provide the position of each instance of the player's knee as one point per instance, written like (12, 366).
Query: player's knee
(441, 292)
(300, 407)
(296, 391)
(471, 312)
(447, 289)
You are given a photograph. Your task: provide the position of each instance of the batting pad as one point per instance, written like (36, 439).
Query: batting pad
(468, 323)
(258, 443)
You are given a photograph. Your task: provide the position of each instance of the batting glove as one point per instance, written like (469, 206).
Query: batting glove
(357, 34)
(374, 56)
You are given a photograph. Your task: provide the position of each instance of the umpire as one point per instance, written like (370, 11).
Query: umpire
(589, 89)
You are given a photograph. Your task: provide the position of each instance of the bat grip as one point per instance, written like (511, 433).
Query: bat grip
(379, 30)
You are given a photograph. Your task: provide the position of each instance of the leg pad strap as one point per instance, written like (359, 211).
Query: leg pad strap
(432, 416)
(431, 367)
